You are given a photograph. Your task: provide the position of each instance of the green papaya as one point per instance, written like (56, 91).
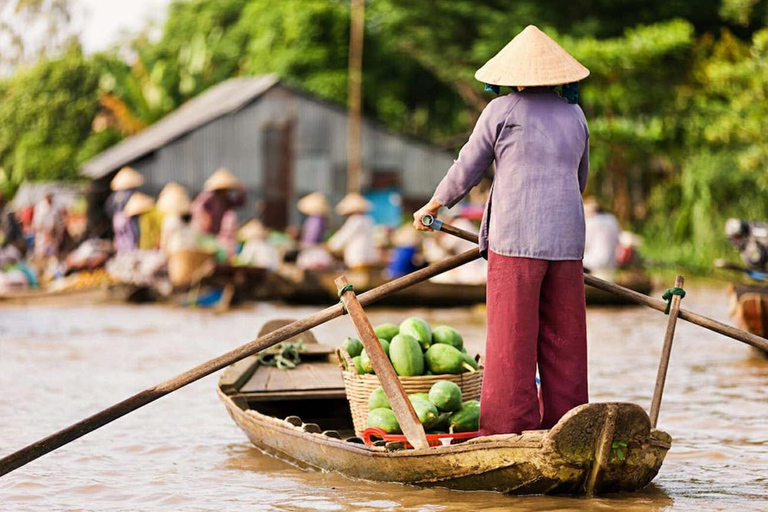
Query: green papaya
(446, 395)
(378, 400)
(419, 329)
(448, 336)
(358, 365)
(385, 345)
(426, 411)
(419, 396)
(353, 346)
(406, 356)
(443, 423)
(386, 331)
(443, 358)
(365, 362)
(470, 361)
(467, 418)
(383, 419)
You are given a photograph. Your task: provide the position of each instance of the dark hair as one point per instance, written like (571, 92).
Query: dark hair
(570, 92)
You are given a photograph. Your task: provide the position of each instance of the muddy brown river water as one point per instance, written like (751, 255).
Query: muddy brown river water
(59, 364)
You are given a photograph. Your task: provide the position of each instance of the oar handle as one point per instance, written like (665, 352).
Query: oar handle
(433, 222)
(639, 298)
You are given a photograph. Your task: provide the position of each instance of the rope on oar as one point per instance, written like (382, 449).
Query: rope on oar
(669, 293)
(347, 288)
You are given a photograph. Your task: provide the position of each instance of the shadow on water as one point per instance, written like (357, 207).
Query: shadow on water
(358, 495)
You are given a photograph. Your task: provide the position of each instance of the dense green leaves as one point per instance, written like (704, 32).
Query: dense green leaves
(45, 116)
(676, 99)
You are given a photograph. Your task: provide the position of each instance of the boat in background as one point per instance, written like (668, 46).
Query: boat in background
(302, 416)
(749, 308)
(318, 287)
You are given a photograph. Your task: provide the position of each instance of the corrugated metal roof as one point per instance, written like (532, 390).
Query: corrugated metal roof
(222, 99)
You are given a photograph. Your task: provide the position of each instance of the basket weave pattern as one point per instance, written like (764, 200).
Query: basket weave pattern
(360, 387)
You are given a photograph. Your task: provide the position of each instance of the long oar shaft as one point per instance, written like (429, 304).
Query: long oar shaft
(52, 442)
(631, 295)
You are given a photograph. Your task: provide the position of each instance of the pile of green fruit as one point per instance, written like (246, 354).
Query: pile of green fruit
(415, 348)
(441, 411)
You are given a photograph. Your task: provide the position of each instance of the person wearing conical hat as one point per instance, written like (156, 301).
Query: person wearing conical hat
(257, 251)
(222, 191)
(315, 206)
(173, 203)
(532, 232)
(356, 237)
(142, 207)
(126, 229)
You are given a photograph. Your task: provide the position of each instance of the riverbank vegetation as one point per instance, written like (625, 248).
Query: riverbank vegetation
(676, 100)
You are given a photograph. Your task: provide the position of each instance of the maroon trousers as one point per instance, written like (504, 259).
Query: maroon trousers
(536, 315)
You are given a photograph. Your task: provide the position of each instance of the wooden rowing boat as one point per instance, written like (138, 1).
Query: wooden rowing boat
(749, 308)
(317, 287)
(302, 416)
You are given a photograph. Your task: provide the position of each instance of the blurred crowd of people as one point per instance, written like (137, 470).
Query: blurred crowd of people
(165, 242)
(162, 241)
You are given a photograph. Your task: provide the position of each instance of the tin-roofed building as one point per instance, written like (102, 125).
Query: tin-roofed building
(281, 142)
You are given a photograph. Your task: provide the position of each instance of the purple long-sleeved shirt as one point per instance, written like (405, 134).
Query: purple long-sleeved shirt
(540, 144)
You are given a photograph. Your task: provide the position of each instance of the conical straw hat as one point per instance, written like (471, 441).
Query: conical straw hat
(314, 204)
(126, 179)
(532, 59)
(406, 236)
(353, 203)
(252, 229)
(173, 199)
(138, 203)
(222, 179)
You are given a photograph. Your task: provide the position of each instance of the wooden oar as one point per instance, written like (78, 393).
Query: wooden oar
(390, 382)
(633, 296)
(39, 448)
(666, 352)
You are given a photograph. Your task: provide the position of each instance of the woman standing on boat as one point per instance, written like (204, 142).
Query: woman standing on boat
(532, 232)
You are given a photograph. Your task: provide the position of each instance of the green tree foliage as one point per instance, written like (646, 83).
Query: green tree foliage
(676, 97)
(724, 157)
(45, 115)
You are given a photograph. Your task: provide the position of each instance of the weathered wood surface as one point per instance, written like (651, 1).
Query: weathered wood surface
(382, 367)
(39, 448)
(666, 352)
(538, 462)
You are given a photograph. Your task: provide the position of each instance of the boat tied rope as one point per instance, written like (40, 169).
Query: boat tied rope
(287, 358)
(346, 288)
(669, 293)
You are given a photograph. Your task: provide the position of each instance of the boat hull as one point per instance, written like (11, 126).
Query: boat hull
(560, 461)
(749, 308)
(320, 288)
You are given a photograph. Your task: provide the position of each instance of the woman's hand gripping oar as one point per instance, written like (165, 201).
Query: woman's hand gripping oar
(39, 448)
(625, 293)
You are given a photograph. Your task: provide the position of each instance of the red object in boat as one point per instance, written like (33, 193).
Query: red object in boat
(432, 439)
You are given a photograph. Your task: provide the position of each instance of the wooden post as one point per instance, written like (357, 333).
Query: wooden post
(355, 93)
(602, 451)
(393, 388)
(666, 351)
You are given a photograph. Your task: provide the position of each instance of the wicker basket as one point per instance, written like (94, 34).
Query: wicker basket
(185, 266)
(360, 387)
